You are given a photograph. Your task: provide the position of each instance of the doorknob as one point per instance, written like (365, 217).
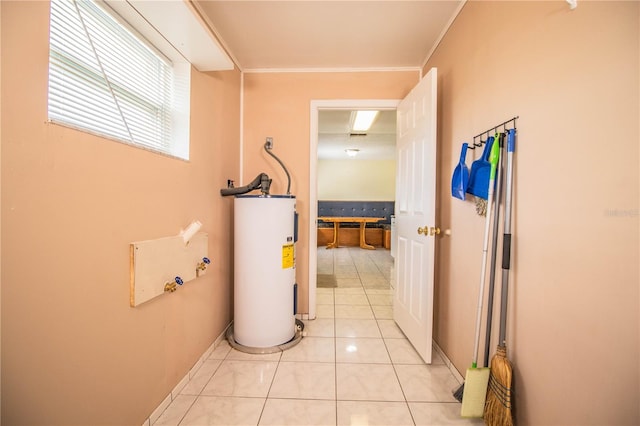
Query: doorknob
(432, 231)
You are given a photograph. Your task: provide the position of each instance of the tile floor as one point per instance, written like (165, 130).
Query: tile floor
(353, 367)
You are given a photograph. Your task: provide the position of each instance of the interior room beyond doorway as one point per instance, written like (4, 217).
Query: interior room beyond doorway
(349, 166)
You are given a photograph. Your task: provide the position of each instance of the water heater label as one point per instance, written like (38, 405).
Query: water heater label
(287, 256)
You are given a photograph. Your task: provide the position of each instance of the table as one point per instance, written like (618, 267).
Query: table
(361, 220)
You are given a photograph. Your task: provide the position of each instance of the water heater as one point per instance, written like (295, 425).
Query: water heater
(264, 270)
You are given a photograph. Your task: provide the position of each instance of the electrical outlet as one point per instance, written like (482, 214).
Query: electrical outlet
(269, 143)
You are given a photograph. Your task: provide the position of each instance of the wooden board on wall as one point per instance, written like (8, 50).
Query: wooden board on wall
(153, 263)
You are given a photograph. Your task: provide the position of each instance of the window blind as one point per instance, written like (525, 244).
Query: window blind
(106, 80)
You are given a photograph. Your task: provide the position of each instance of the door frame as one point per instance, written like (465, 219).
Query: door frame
(315, 107)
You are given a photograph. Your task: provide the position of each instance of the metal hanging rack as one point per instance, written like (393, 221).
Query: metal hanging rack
(475, 145)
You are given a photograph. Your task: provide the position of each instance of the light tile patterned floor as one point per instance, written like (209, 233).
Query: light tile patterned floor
(353, 367)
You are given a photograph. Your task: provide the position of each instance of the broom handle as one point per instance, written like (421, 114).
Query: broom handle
(485, 247)
(494, 252)
(476, 344)
(506, 243)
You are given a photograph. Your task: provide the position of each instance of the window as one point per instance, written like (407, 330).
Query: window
(106, 79)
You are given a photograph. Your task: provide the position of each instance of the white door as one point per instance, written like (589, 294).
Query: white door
(415, 211)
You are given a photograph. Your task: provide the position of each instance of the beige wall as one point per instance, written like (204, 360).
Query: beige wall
(572, 77)
(357, 180)
(277, 105)
(73, 351)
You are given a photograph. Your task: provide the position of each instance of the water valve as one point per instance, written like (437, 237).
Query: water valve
(202, 265)
(172, 286)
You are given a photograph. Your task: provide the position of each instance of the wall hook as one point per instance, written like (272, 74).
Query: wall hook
(473, 145)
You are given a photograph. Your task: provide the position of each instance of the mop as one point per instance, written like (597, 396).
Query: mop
(476, 379)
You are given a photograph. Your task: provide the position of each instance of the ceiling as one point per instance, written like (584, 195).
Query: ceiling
(304, 35)
(334, 136)
(299, 34)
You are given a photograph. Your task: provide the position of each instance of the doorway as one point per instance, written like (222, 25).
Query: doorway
(316, 108)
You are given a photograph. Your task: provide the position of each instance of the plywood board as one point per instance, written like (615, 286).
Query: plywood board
(153, 263)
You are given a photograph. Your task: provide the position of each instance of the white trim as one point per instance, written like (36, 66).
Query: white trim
(448, 362)
(241, 156)
(314, 108)
(327, 70)
(443, 33)
(155, 415)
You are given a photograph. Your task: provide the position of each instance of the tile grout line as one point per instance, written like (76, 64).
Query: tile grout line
(205, 386)
(395, 372)
(273, 379)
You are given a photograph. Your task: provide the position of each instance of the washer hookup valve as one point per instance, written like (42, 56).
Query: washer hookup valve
(203, 265)
(172, 286)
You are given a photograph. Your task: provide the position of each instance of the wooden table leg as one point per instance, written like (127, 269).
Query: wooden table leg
(334, 243)
(363, 243)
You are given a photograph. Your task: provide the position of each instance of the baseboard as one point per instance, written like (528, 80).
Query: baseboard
(183, 382)
(448, 363)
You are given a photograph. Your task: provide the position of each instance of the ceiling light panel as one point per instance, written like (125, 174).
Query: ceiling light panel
(363, 120)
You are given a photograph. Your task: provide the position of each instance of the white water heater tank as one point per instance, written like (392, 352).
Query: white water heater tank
(264, 270)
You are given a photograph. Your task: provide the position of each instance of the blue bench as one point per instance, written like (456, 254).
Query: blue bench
(356, 209)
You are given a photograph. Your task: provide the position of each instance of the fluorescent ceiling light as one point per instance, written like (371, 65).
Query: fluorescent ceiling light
(352, 152)
(364, 120)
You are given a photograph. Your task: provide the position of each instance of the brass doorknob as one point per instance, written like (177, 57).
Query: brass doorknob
(434, 230)
(424, 230)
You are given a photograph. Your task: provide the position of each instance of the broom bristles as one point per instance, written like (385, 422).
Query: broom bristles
(497, 408)
(457, 393)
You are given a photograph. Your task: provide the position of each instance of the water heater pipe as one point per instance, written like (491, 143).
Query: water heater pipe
(268, 145)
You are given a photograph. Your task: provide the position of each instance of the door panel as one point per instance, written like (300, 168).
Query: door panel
(417, 300)
(418, 182)
(404, 166)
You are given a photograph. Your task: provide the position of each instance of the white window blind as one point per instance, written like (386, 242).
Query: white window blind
(104, 79)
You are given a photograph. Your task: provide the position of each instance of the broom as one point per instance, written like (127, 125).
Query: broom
(475, 382)
(497, 410)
